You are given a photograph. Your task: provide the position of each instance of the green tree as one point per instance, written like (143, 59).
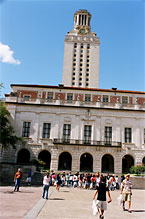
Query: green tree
(7, 134)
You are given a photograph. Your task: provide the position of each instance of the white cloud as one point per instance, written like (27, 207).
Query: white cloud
(6, 55)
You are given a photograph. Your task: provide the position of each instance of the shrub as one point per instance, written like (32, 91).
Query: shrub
(137, 169)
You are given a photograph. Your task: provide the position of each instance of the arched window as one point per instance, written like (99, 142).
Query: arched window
(45, 156)
(107, 164)
(127, 162)
(86, 163)
(23, 156)
(143, 161)
(65, 161)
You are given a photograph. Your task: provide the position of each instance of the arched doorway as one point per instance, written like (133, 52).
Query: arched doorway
(143, 161)
(86, 163)
(45, 156)
(23, 156)
(107, 164)
(65, 161)
(127, 162)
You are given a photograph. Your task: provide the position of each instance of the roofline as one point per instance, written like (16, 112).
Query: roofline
(77, 88)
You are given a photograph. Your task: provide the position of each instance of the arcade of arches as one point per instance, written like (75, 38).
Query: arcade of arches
(86, 161)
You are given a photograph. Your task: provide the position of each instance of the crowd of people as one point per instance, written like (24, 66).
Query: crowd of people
(83, 180)
(102, 184)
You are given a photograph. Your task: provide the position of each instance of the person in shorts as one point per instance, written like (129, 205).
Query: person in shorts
(101, 190)
(126, 191)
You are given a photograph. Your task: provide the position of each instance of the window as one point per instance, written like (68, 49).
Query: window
(75, 45)
(87, 74)
(75, 50)
(27, 97)
(80, 84)
(81, 51)
(73, 83)
(127, 135)
(74, 60)
(87, 60)
(50, 96)
(108, 135)
(87, 84)
(81, 64)
(87, 65)
(69, 98)
(66, 132)
(80, 74)
(73, 73)
(81, 55)
(87, 79)
(81, 60)
(74, 69)
(105, 99)
(80, 69)
(125, 100)
(46, 130)
(87, 69)
(81, 46)
(87, 97)
(75, 55)
(87, 134)
(26, 129)
(73, 78)
(88, 46)
(74, 64)
(80, 79)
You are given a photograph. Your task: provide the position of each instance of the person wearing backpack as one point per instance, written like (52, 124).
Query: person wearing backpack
(101, 190)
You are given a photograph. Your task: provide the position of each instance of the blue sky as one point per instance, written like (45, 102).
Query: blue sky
(35, 31)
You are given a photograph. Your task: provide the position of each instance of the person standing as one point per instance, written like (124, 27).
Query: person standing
(126, 189)
(101, 190)
(46, 184)
(29, 177)
(58, 181)
(17, 179)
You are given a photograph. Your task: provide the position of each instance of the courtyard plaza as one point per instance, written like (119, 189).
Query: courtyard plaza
(74, 203)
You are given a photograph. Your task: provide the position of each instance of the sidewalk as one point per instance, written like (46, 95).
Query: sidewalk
(65, 204)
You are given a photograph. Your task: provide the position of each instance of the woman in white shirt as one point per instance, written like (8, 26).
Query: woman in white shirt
(46, 184)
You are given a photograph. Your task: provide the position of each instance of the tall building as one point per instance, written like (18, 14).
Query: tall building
(78, 127)
(81, 54)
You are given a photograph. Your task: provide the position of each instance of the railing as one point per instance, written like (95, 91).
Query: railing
(90, 104)
(90, 143)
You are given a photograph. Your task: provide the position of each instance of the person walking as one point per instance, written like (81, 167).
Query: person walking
(46, 184)
(101, 190)
(17, 179)
(126, 189)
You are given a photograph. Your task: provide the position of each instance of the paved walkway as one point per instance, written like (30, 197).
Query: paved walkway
(68, 203)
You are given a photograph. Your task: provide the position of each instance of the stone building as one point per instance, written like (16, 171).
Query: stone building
(76, 126)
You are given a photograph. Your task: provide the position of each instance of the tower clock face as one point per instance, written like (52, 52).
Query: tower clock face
(82, 31)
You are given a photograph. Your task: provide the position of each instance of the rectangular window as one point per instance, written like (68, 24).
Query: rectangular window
(127, 135)
(87, 134)
(66, 133)
(108, 135)
(50, 96)
(105, 99)
(26, 129)
(46, 130)
(125, 100)
(69, 98)
(87, 97)
(27, 97)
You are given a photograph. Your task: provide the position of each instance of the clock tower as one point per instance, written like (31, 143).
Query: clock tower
(81, 54)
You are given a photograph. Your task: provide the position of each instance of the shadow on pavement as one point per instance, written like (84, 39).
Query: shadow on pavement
(56, 199)
(138, 210)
